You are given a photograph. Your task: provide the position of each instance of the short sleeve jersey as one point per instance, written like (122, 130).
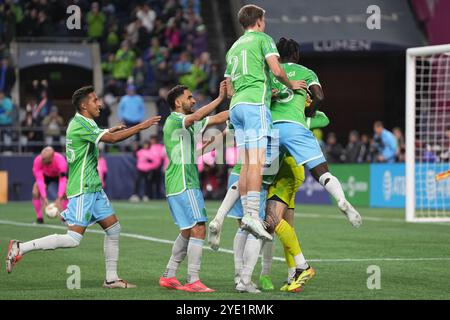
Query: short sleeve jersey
(82, 137)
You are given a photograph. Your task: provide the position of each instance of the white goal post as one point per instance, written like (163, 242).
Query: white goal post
(427, 133)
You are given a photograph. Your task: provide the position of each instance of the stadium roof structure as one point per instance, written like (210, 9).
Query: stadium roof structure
(330, 26)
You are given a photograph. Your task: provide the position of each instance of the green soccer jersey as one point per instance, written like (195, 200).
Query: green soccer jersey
(289, 106)
(248, 70)
(182, 172)
(82, 137)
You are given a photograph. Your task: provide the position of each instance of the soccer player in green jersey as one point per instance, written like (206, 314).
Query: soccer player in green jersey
(288, 114)
(88, 202)
(249, 61)
(181, 132)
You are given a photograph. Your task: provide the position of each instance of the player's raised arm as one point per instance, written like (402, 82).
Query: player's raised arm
(120, 135)
(204, 111)
(317, 98)
(281, 76)
(218, 118)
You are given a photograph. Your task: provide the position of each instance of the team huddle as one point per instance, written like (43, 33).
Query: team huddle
(274, 105)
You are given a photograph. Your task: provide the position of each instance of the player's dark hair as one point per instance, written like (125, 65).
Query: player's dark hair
(81, 94)
(249, 14)
(378, 124)
(173, 94)
(288, 48)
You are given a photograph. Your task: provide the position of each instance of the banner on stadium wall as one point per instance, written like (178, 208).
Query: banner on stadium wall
(387, 185)
(432, 194)
(32, 54)
(312, 192)
(355, 180)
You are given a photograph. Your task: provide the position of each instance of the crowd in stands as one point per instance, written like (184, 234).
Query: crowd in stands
(146, 48)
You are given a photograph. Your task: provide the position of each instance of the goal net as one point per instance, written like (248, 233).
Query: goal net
(427, 133)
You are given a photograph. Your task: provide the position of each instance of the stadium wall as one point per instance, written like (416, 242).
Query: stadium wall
(366, 185)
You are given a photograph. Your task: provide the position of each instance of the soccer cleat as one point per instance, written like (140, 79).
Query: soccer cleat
(300, 279)
(196, 286)
(214, 234)
(352, 215)
(249, 287)
(265, 283)
(170, 283)
(285, 287)
(118, 284)
(256, 227)
(39, 220)
(13, 256)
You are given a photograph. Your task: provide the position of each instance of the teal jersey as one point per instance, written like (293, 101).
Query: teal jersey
(248, 70)
(82, 137)
(289, 106)
(180, 143)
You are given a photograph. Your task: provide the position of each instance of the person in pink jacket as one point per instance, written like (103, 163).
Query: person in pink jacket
(157, 154)
(48, 167)
(102, 169)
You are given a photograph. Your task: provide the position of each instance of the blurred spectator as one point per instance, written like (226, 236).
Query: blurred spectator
(333, 150)
(131, 108)
(29, 25)
(164, 75)
(195, 78)
(6, 118)
(102, 168)
(112, 39)
(124, 62)
(353, 148)
(183, 65)
(173, 36)
(364, 151)
(385, 143)
(147, 16)
(53, 125)
(95, 22)
(156, 153)
(144, 165)
(43, 107)
(7, 77)
(8, 21)
(200, 42)
(105, 111)
(29, 128)
(141, 78)
(108, 67)
(44, 26)
(400, 144)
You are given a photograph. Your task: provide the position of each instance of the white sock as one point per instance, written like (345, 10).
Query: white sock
(228, 202)
(111, 251)
(291, 274)
(69, 240)
(300, 262)
(238, 248)
(194, 253)
(253, 204)
(332, 185)
(244, 204)
(251, 254)
(179, 251)
(267, 255)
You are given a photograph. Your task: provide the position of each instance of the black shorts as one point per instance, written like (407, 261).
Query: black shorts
(49, 180)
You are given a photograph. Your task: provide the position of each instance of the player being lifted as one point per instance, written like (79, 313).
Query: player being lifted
(288, 114)
(249, 61)
(182, 183)
(88, 202)
(48, 167)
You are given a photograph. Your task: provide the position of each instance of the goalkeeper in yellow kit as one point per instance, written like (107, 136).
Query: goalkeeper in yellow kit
(280, 217)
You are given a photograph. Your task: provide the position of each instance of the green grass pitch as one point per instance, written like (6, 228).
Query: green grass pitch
(413, 259)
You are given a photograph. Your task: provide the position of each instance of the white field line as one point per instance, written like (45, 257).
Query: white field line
(158, 240)
(303, 215)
